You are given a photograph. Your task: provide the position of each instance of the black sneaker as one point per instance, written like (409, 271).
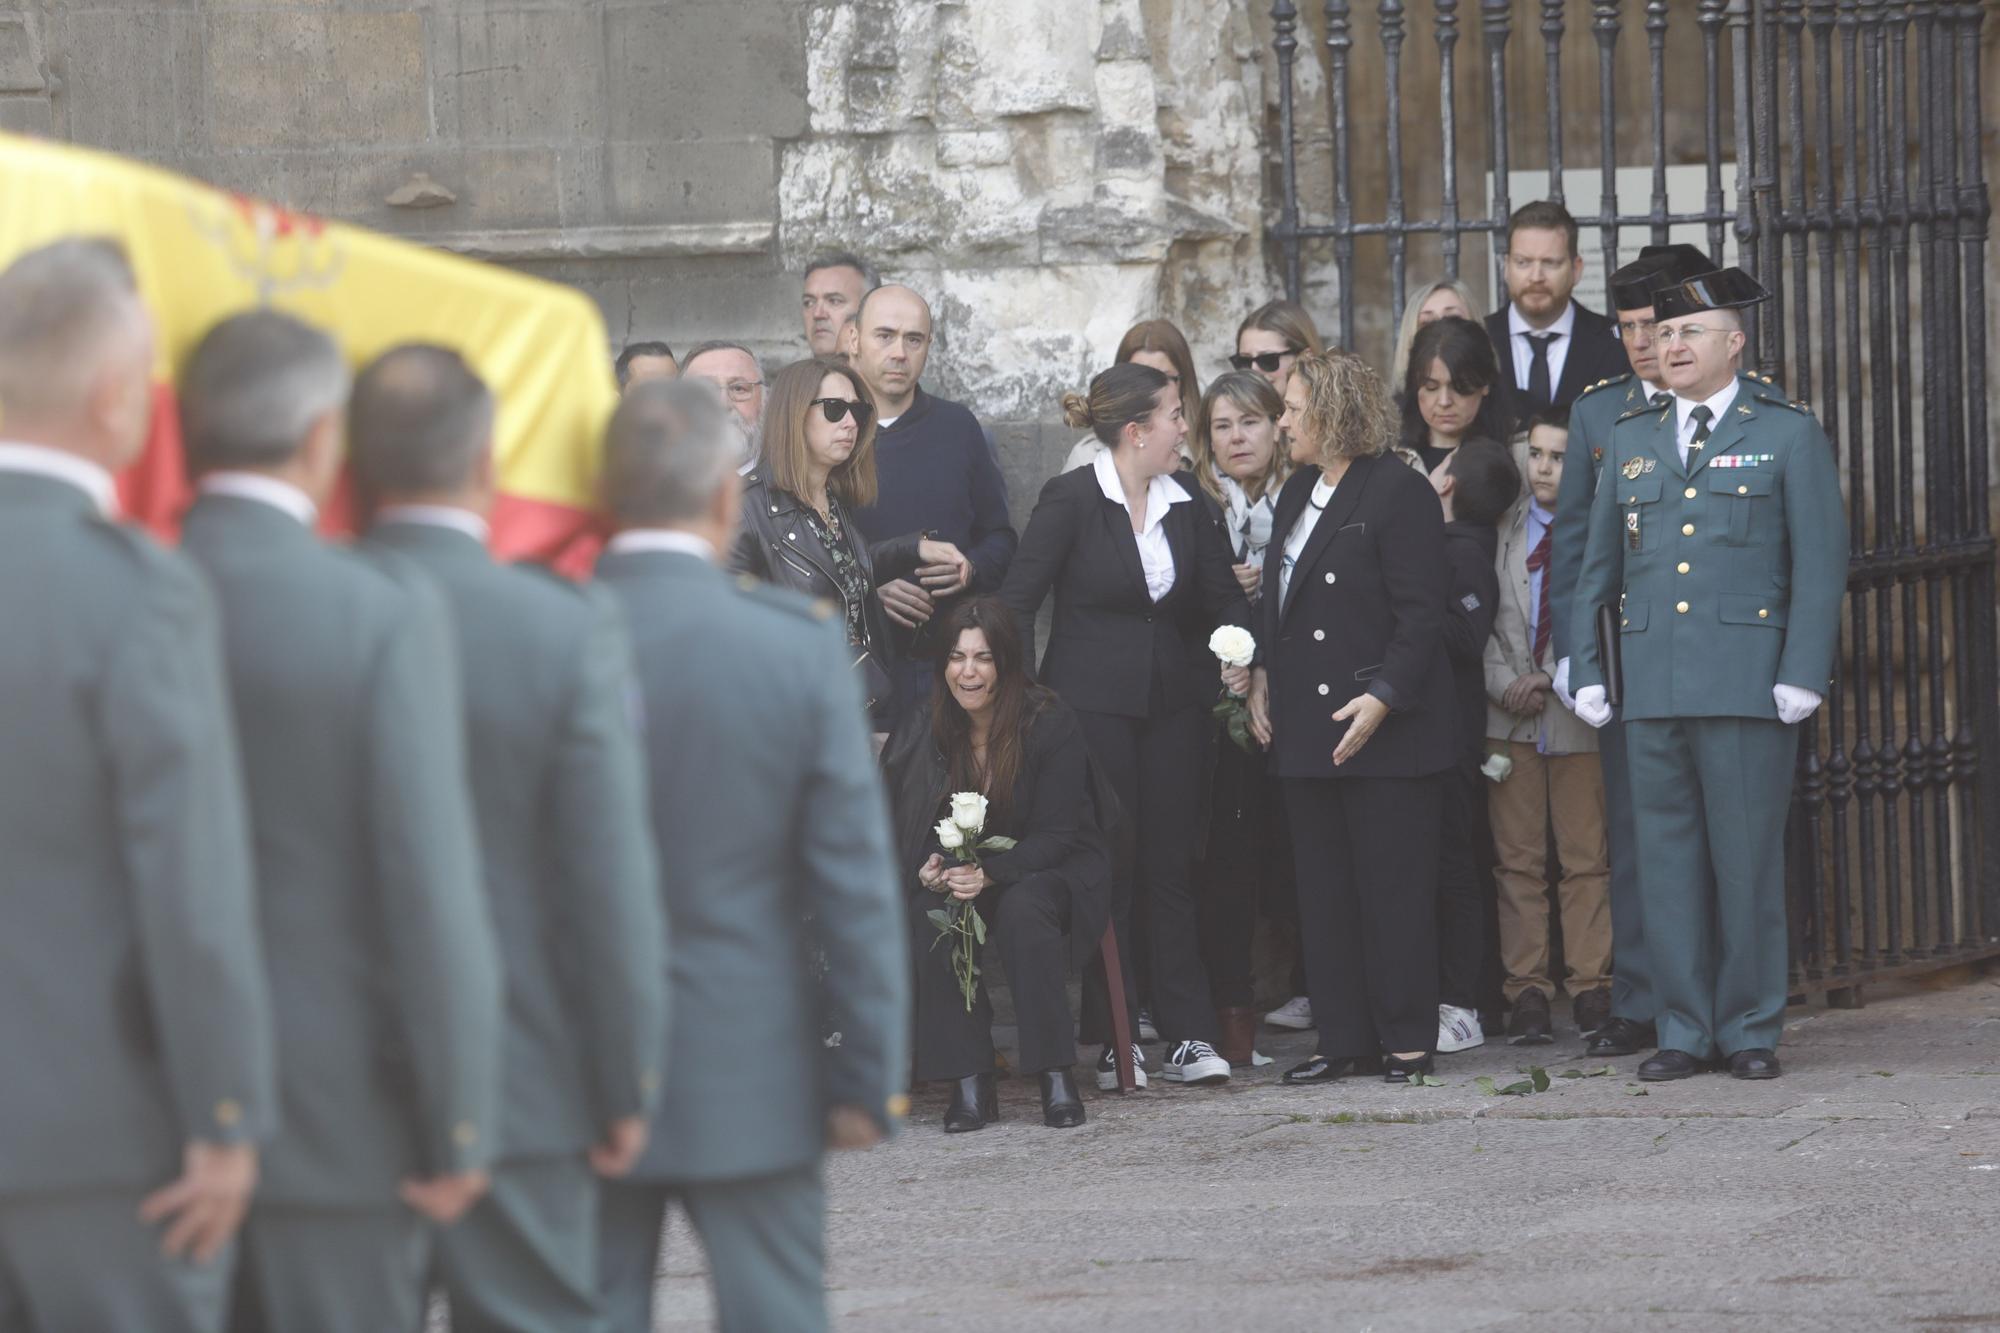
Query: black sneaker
(1107, 1069)
(1591, 1010)
(1528, 1025)
(1195, 1062)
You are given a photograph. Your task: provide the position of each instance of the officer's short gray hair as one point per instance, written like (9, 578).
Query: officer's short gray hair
(667, 452)
(61, 307)
(419, 421)
(255, 387)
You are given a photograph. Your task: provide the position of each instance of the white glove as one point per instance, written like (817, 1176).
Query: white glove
(1794, 704)
(1561, 682)
(1592, 706)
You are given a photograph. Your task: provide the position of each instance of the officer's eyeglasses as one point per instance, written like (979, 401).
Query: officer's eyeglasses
(1668, 335)
(1268, 362)
(1632, 330)
(836, 410)
(742, 391)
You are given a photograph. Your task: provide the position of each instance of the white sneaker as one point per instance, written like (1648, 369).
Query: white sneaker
(1147, 1032)
(1107, 1069)
(1295, 1013)
(1458, 1029)
(1195, 1062)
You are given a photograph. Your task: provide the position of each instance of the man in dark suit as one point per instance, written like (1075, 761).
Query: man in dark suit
(773, 842)
(559, 792)
(135, 1022)
(383, 969)
(1550, 348)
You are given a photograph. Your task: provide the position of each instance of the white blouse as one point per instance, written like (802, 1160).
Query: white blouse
(1301, 533)
(1156, 556)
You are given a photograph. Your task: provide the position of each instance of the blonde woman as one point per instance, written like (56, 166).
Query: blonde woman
(1272, 337)
(1445, 298)
(1354, 700)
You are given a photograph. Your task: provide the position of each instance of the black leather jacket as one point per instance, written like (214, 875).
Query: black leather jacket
(777, 545)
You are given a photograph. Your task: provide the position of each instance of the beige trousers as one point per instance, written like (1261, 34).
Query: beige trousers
(1568, 791)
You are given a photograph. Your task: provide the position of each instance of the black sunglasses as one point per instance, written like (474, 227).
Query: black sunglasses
(1264, 361)
(836, 410)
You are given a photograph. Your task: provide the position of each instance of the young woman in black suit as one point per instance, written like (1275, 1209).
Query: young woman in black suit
(1353, 696)
(1141, 570)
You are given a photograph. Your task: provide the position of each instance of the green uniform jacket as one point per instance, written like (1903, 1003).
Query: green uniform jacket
(384, 973)
(560, 797)
(133, 1009)
(1729, 574)
(766, 807)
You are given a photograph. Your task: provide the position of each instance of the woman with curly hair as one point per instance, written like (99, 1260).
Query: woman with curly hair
(1354, 699)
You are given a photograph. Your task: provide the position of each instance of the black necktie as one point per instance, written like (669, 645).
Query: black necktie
(1539, 393)
(1701, 416)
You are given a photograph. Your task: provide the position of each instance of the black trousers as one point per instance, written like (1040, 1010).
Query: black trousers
(1158, 766)
(1367, 860)
(1466, 895)
(1027, 925)
(1247, 855)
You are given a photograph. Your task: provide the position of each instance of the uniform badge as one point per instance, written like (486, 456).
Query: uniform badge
(1651, 463)
(1633, 467)
(1597, 454)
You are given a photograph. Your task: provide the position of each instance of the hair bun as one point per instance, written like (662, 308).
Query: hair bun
(1076, 412)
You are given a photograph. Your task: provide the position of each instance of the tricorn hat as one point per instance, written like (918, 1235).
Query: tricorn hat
(1657, 266)
(1722, 289)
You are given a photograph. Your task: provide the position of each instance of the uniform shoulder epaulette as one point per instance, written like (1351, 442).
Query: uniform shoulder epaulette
(1639, 411)
(784, 599)
(1775, 397)
(1605, 384)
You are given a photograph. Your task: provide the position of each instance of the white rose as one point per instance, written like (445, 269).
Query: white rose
(1233, 645)
(1497, 767)
(968, 810)
(949, 835)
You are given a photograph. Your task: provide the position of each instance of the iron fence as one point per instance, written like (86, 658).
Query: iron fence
(1850, 130)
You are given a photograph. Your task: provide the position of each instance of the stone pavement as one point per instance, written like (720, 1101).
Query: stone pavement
(1860, 1191)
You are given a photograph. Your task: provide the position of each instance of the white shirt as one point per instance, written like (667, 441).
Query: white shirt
(1684, 415)
(1518, 330)
(280, 495)
(1295, 540)
(61, 465)
(437, 516)
(661, 539)
(1156, 556)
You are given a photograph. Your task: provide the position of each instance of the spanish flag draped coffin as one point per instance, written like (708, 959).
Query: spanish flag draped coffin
(202, 254)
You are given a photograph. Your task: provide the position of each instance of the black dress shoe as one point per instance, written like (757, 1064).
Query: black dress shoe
(1321, 1069)
(1061, 1107)
(1666, 1066)
(1402, 1071)
(1621, 1036)
(974, 1102)
(1754, 1063)
(1528, 1025)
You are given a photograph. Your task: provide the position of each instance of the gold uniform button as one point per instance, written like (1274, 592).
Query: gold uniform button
(1625, 623)
(1743, 490)
(1683, 566)
(1763, 613)
(228, 1113)
(898, 1105)
(464, 1134)
(1681, 607)
(1687, 529)
(1689, 492)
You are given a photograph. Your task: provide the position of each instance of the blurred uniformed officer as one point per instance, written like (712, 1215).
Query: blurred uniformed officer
(766, 806)
(135, 1026)
(383, 969)
(557, 787)
(1720, 534)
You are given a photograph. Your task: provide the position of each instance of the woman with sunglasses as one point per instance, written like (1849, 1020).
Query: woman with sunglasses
(1271, 338)
(818, 465)
(1160, 344)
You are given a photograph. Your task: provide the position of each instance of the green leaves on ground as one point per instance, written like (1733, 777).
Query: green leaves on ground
(1536, 1081)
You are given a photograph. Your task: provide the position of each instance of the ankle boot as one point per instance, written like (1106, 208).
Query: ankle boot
(1062, 1108)
(974, 1102)
(1237, 1035)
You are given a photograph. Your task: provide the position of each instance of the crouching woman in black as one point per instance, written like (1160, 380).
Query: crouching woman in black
(989, 729)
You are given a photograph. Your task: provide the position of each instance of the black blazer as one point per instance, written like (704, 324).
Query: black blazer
(1594, 354)
(1365, 612)
(1111, 648)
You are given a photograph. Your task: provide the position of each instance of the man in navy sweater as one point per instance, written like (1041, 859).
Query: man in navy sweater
(935, 473)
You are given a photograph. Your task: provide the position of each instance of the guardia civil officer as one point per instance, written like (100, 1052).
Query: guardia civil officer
(765, 803)
(344, 686)
(1630, 1028)
(135, 1023)
(558, 789)
(1719, 534)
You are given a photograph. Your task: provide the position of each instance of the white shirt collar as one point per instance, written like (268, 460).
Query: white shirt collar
(1717, 405)
(661, 539)
(61, 465)
(280, 495)
(1161, 491)
(1565, 322)
(437, 516)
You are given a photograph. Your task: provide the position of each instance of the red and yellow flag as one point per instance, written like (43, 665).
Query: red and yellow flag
(202, 254)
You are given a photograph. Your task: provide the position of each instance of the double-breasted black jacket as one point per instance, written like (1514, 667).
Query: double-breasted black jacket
(1365, 613)
(1112, 648)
